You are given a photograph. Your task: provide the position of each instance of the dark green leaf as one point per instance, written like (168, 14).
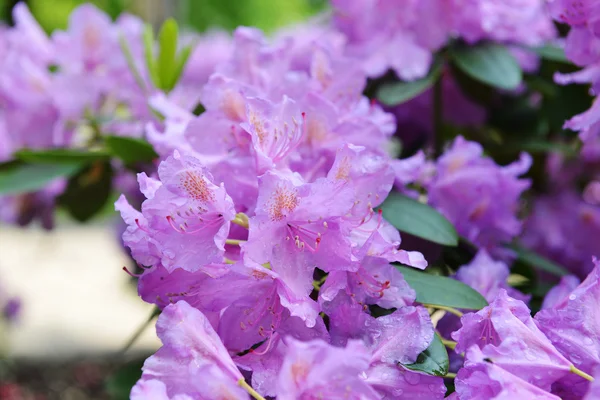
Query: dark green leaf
(550, 52)
(489, 63)
(442, 291)
(118, 385)
(537, 261)
(392, 94)
(130, 150)
(55, 156)
(22, 178)
(433, 361)
(166, 64)
(418, 219)
(88, 191)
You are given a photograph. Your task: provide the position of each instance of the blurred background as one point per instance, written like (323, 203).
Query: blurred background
(78, 309)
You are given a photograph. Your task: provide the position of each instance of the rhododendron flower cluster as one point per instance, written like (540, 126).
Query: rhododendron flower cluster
(272, 187)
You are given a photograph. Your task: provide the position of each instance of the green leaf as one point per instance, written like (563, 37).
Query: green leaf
(130, 150)
(442, 291)
(433, 361)
(392, 94)
(489, 63)
(182, 59)
(552, 53)
(55, 156)
(166, 64)
(148, 38)
(537, 261)
(88, 191)
(19, 177)
(118, 385)
(418, 219)
(131, 62)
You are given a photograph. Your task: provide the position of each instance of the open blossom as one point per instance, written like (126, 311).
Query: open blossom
(192, 361)
(403, 35)
(184, 220)
(571, 325)
(315, 369)
(508, 335)
(478, 196)
(482, 379)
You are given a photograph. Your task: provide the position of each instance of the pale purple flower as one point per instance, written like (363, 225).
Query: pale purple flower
(572, 327)
(562, 227)
(192, 360)
(478, 196)
(315, 369)
(508, 335)
(482, 380)
(184, 220)
(559, 293)
(488, 277)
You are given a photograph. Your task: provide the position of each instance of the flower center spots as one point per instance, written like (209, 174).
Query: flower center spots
(299, 372)
(343, 171)
(315, 131)
(233, 106)
(195, 186)
(258, 126)
(282, 202)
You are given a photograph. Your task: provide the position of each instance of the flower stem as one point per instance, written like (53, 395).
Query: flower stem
(438, 117)
(447, 309)
(582, 374)
(241, 219)
(449, 343)
(140, 330)
(234, 242)
(450, 375)
(249, 389)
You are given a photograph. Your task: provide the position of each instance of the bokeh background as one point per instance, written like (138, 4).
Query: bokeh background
(79, 309)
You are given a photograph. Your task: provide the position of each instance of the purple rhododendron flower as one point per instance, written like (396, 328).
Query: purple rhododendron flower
(478, 196)
(192, 361)
(571, 325)
(481, 379)
(508, 335)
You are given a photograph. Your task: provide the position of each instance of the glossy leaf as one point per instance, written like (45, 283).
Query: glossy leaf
(433, 361)
(56, 156)
(489, 63)
(537, 261)
(442, 291)
(392, 94)
(552, 53)
(418, 219)
(130, 150)
(19, 178)
(88, 191)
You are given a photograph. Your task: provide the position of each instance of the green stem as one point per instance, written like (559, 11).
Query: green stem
(438, 117)
(444, 308)
(249, 389)
(234, 242)
(449, 343)
(582, 374)
(450, 375)
(136, 335)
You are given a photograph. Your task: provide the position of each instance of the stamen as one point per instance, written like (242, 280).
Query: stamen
(131, 273)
